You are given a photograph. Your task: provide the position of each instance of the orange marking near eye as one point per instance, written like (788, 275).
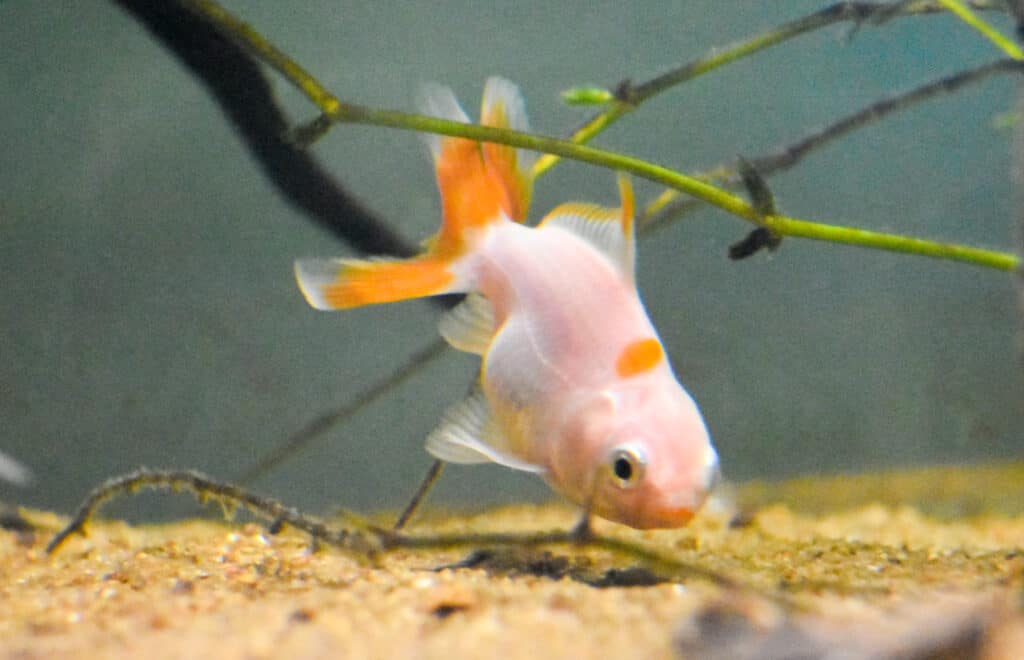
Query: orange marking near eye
(640, 356)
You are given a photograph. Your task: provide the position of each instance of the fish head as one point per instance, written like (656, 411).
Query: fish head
(638, 455)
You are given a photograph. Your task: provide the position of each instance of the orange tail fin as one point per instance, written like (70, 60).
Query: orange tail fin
(479, 180)
(347, 283)
(479, 185)
(503, 107)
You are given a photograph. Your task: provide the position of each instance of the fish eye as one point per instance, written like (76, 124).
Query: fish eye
(627, 463)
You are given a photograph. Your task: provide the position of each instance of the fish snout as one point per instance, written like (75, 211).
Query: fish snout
(680, 508)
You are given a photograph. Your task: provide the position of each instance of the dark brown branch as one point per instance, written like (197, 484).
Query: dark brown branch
(1016, 8)
(237, 83)
(303, 438)
(230, 496)
(359, 537)
(433, 474)
(791, 154)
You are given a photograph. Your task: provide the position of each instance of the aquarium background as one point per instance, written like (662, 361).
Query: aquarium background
(149, 315)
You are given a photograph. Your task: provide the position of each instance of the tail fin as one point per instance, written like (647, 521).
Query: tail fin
(477, 180)
(503, 107)
(479, 185)
(346, 283)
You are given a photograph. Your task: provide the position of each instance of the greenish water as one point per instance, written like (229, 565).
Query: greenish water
(148, 313)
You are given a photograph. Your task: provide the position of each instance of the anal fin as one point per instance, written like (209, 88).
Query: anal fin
(469, 326)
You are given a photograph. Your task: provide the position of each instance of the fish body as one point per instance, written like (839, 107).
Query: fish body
(574, 384)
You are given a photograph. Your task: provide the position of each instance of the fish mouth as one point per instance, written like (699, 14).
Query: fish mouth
(675, 516)
(674, 511)
(668, 517)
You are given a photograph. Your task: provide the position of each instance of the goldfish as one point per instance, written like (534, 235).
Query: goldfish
(574, 383)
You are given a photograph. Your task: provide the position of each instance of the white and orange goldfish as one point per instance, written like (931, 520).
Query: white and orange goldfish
(575, 384)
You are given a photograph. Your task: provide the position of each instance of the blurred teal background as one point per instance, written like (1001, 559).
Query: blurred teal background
(149, 316)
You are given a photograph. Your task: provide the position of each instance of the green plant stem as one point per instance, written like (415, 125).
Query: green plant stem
(254, 42)
(338, 112)
(963, 12)
(779, 224)
(630, 96)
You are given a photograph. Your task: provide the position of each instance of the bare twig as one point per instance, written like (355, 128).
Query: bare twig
(433, 474)
(304, 438)
(361, 538)
(670, 206)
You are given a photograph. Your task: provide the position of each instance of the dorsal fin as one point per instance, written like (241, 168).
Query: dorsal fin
(468, 434)
(608, 230)
(469, 326)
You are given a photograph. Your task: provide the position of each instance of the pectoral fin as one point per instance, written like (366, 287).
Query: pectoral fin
(468, 434)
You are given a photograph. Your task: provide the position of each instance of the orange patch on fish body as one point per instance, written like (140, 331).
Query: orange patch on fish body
(638, 357)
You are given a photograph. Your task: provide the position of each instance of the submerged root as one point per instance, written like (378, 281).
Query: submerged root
(358, 537)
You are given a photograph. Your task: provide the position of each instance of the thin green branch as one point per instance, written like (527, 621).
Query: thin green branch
(336, 111)
(628, 97)
(778, 224)
(254, 42)
(963, 12)
(853, 236)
